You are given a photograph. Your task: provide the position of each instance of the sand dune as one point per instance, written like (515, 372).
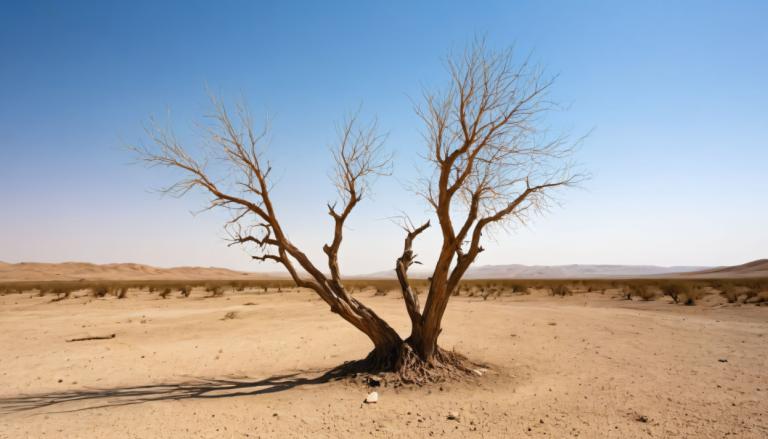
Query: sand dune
(36, 271)
(757, 268)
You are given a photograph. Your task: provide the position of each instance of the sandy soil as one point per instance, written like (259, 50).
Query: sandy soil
(583, 366)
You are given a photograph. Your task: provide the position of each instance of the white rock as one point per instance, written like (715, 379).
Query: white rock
(372, 398)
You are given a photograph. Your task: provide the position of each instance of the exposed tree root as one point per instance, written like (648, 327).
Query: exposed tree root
(403, 366)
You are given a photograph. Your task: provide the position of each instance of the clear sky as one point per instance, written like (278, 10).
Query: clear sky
(676, 93)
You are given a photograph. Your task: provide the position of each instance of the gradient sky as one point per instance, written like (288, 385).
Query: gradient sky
(676, 93)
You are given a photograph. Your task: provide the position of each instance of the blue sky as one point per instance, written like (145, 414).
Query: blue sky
(675, 92)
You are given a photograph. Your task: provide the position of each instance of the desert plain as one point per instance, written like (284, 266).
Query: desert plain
(255, 364)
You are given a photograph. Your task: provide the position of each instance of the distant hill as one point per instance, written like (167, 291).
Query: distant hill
(36, 271)
(758, 268)
(574, 271)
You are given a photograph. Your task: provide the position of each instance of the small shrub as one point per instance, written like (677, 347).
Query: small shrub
(100, 291)
(519, 288)
(561, 290)
(215, 290)
(230, 315)
(186, 290)
(626, 292)
(761, 297)
(61, 293)
(381, 291)
(750, 295)
(122, 293)
(693, 295)
(645, 292)
(676, 290)
(165, 293)
(731, 293)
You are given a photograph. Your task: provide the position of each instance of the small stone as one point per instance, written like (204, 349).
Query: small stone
(453, 416)
(722, 360)
(642, 418)
(372, 398)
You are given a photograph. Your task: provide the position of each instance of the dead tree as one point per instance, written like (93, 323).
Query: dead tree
(490, 167)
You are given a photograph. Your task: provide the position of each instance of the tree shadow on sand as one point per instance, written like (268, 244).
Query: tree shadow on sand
(194, 389)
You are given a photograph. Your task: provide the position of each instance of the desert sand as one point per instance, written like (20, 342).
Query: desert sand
(581, 366)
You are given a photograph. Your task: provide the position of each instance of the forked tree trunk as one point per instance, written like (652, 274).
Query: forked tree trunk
(425, 326)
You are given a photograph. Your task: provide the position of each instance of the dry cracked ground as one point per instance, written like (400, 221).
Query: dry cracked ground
(586, 366)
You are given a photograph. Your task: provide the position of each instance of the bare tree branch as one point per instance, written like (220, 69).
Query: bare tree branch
(404, 262)
(233, 142)
(493, 162)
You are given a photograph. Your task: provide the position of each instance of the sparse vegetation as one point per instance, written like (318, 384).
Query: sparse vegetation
(676, 290)
(683, 291)
(100, 291)
(561, 290)
(643, 291)
(215, 290)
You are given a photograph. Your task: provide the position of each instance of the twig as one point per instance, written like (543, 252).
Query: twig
(102, 337)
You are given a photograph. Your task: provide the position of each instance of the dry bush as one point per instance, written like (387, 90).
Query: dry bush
(230, 315)
(489, 292)
(731, 293)
(749, 294)
(643, 291)
(561, 290)
(165, 293)
(625, 291)
(215, 290)
(380, 290)
(122, 293)
(100, 291)
(185, 291)
(676, 290)
(693, 295)
(518, 288)
(761, 298)
(61, 294)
